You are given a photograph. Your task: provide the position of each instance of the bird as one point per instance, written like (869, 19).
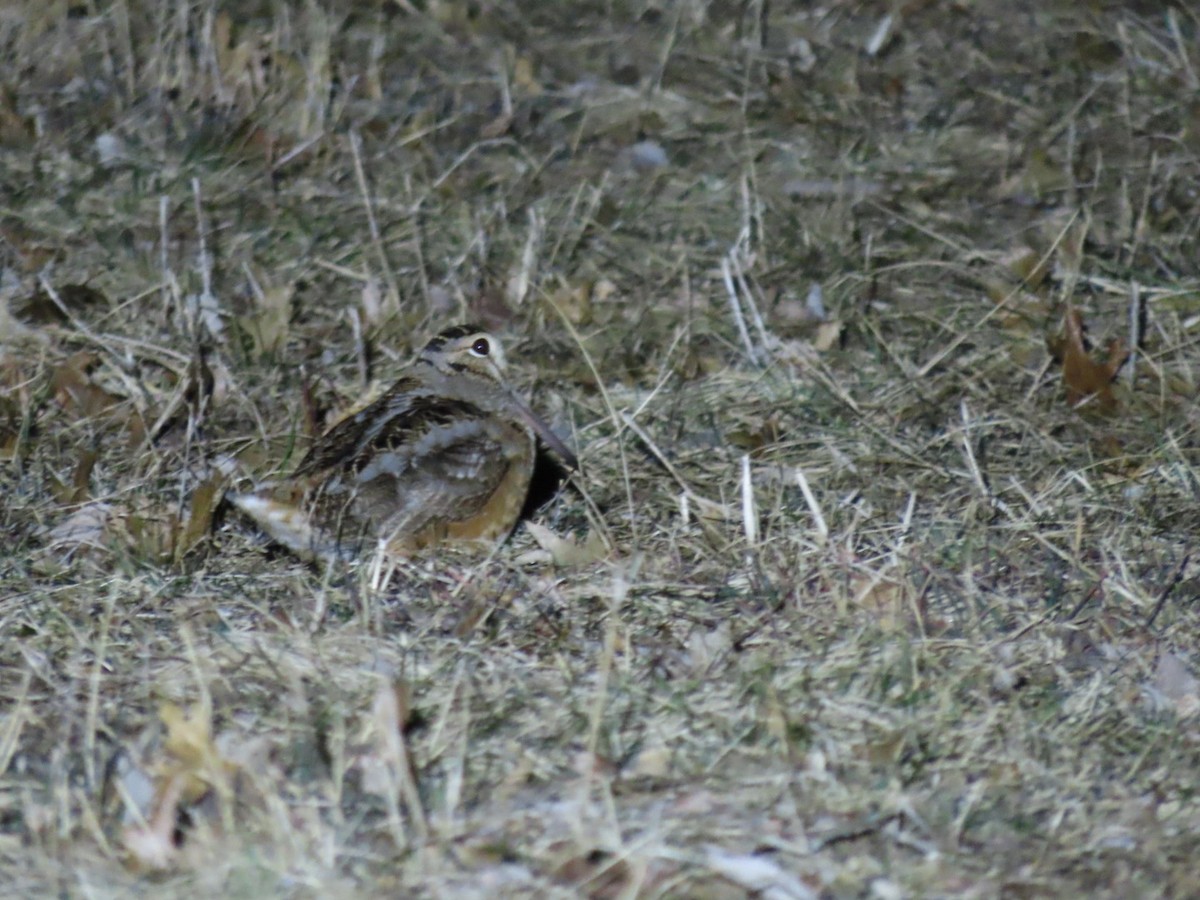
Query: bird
(446, 454)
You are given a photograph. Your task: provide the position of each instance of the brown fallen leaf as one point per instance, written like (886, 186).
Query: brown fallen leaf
(87, 528)
(74, 389)
(565, 553)
(1086, 380)
(200, 515)
(268, 324)
(77, 490)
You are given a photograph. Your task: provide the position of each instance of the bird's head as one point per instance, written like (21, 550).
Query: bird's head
(467, 349)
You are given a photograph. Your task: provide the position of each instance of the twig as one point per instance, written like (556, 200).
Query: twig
(1166, 591)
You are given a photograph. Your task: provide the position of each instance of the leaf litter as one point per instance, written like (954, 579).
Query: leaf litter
(735, 242)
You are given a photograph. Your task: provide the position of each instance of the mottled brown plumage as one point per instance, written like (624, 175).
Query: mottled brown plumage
(445, 454)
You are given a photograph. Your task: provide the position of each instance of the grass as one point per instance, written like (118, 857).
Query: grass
(936, 637)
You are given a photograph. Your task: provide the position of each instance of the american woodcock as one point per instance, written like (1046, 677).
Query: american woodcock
(445, 454)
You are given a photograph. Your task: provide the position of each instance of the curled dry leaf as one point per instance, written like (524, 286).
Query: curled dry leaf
(268, 324)
(1086, 380)
(1028, 265)
(565, 552)
(87, 527)
(200, 515)
(758, 873)
(75, 390)
(191, 767)
(76, 490)
(191, 751)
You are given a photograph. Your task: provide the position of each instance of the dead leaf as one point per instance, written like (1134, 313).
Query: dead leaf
(190, 750)
(652, 761)
(74, 389)
(565, 552)
(1043, 174)
(1086, 380)
(700, 357)
(881, 596)
(1096, 51)
(11, 422)
(77, 490)
(573, 300)
(1027, 265)
(523, 77)
(86, 527)
(192, 767)
(827, 336)
(16, 129)
(151, 531)
(756, 432)
(268, 325)
(498, 127)
(200, 515)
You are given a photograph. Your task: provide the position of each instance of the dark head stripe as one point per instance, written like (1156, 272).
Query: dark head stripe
(453, 333)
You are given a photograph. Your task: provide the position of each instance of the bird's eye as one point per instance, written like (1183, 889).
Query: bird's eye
(481, 347)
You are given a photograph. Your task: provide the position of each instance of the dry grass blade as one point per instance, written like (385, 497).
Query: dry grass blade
(844, 599)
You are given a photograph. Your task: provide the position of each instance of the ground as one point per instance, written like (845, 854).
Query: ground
(874, 324)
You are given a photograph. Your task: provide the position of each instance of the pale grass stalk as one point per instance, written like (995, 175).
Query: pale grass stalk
(969, 451)
(519, 285)
(746, 292)
(372, 224)
(613, 416)
(205, 260)
(164, 258)
(749, 510)
(19, 710)
(455, 762)
(905, 530)
(735, 307)
(360, 346)
(1135, 332)
(415, 205)
(813, 506)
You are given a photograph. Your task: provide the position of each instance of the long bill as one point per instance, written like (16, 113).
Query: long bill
(543, 431)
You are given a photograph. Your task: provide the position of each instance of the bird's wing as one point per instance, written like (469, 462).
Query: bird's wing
(401, 465)
(346, 439)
